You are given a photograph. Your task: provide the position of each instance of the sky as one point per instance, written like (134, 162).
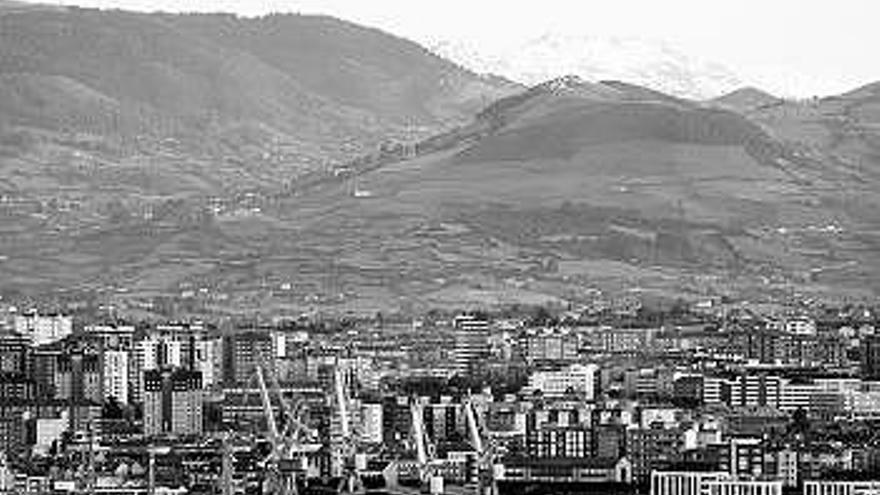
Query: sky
(790, 47)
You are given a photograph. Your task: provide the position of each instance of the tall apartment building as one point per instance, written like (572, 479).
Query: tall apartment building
(871, 357)
(243, 352)
(182, 346)
(471, 343)
(172, 402)
(156, 352)
(78, 378)
(371, 421)
(118, 348)
(116, 375)
(14, 353)
(16, 383)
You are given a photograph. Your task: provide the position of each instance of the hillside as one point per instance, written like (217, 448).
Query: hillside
(564, 190)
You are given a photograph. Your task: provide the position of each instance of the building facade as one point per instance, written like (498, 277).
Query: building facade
(173, 402)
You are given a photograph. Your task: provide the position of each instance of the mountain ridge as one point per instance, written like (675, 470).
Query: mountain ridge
(196, 158)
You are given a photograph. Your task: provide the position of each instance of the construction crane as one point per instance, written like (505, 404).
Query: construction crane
(425, 453)
(486, 484)
(227, 479)
(351, 479)
(287, 444)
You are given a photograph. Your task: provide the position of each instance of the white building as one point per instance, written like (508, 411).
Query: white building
(155, 352)
(862, 404)
(740, 487)
(744, 391)
(683, 482)
(49, 430)
(207, 359)
(800, 326)
(471, 343)
(371, 420)
(577, 378)
(841, 487)
(668, 417)
(113, 337)
(116, 375)
(43, 329)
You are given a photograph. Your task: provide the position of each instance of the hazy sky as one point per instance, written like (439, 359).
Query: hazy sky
(794, 47)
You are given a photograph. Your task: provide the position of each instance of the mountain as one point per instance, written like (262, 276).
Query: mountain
(745, 99)
(209, 163)
(121, 132)
(321, 88)
(640, 61)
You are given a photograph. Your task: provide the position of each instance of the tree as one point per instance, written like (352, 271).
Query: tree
(112, 409)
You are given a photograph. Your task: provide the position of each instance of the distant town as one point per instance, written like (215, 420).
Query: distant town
(695, 399)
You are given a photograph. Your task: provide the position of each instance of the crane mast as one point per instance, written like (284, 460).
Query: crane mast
(424, 449)
(285, 444)
(267, 407)
(473, 428)
(351, 479)
(342, 403)
(419, 434)
(486, 484)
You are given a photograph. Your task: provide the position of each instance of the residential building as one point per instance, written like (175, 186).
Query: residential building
(560, 442)
(652, 449)
(871, 357)
(550, 348)
(371, 420)
(116, 375)
(471, 343)
(568, 471)
(243, 352)
(746, 457)
(576, 379)
(742, 487)
(14, 353)
(841, 487)
(684, 482)
(172, 402)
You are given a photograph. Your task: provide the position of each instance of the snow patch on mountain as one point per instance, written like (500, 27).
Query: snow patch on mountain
(645, 62)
